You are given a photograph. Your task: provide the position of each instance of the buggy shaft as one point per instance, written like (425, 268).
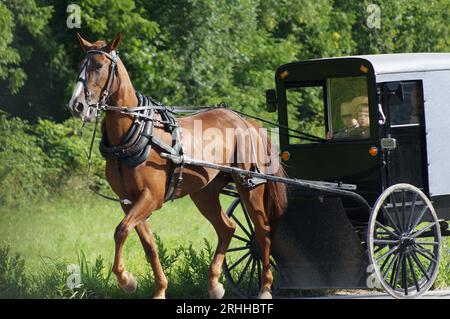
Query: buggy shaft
(327, 187)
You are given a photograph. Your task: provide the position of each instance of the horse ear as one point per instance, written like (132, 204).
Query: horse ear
(86, 45)
(114, 44)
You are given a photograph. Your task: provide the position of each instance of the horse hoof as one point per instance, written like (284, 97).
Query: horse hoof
(159, 297)
(131, 285)
(217, 293)
(265, 295)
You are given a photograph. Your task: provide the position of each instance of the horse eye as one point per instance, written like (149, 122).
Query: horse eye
(98, 66)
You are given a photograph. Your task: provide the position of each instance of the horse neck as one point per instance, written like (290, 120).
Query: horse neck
(117, 124)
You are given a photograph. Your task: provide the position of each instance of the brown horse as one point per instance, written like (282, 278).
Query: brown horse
(145, 184)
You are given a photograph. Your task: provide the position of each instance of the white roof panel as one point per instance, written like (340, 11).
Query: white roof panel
(408, 62)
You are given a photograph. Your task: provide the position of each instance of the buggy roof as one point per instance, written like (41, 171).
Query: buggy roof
(404, 62)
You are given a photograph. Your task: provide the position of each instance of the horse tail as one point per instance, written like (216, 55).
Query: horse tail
(275, 192)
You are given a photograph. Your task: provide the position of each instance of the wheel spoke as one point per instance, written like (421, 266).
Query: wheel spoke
(241, 238)
(239, 261)
(387, 230)
(417, 250)
(391, 263)
(247, 218)
(398, 268)
(422, 269)
(241, 276)
(385, 262)
(252, 271)
(238, 248)
(394, 203)
(404, 211)
(424, 250)
(380, 247)
(385, 241)
(420, 232)
(391, 251)
(388, 215)
(419, 218)
(241, 226)
(427, 243)
(405, 276)
(381, 233)
(391, 281)
(411, 266)
(413, 208)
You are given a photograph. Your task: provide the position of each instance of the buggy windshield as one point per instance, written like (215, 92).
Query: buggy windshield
(335, 109)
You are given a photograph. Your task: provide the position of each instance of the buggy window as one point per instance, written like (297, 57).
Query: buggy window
(305, 109)
(349, 108)
(408, 111)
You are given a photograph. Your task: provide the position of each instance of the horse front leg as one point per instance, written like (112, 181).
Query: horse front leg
(151, 251)
(136, 215)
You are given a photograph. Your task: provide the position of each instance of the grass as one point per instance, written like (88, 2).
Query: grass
(39, 241)
(78, 228)
(64, 226)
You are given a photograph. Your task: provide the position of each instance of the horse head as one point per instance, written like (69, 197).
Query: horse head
(98, 78)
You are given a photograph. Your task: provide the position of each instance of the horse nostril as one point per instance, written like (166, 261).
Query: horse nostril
(79, 107)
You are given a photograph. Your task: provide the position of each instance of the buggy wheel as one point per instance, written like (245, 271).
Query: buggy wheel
(404, 241)
(243, 265)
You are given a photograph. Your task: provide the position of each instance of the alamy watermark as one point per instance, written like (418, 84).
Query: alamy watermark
(232, 145)
(73, 20)
(74, 278)
(373, 20)
(372, 280)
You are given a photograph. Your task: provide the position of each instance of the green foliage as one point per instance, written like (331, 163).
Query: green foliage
(38, 159)
(13, 281)
(198, 51)
(23, 172)
(187, 276)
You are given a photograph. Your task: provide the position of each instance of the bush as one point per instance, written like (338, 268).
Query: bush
(13, 282)
(38, 159)
(23, 171)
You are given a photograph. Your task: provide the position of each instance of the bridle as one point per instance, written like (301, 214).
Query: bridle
(101, 104)
(104, 95)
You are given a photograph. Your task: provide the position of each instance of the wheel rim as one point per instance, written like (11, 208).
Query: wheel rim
(404, 241)
(243, 265)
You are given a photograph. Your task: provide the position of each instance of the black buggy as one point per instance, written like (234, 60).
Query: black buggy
(365, 141)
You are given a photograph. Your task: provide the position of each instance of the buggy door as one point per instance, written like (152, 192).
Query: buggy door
(405, 123)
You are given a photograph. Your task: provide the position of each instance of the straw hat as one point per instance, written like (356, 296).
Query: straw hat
(357, 101)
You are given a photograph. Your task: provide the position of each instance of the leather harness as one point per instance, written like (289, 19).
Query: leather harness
(137, 143)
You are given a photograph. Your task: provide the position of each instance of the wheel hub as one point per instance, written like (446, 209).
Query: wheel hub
(254, 251)
(406, 242)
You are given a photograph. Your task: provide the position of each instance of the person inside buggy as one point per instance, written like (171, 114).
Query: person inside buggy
(355, 117)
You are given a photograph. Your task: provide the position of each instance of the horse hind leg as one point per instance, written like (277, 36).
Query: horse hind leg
(207, 201)
(253, 200)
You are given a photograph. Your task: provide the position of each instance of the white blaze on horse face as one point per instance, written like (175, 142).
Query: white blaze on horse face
(78, 105)
(76, 94)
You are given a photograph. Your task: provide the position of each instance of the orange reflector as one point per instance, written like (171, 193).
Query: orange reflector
(363, 68)
(373, 151)
(285, 156)
(284, 74)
